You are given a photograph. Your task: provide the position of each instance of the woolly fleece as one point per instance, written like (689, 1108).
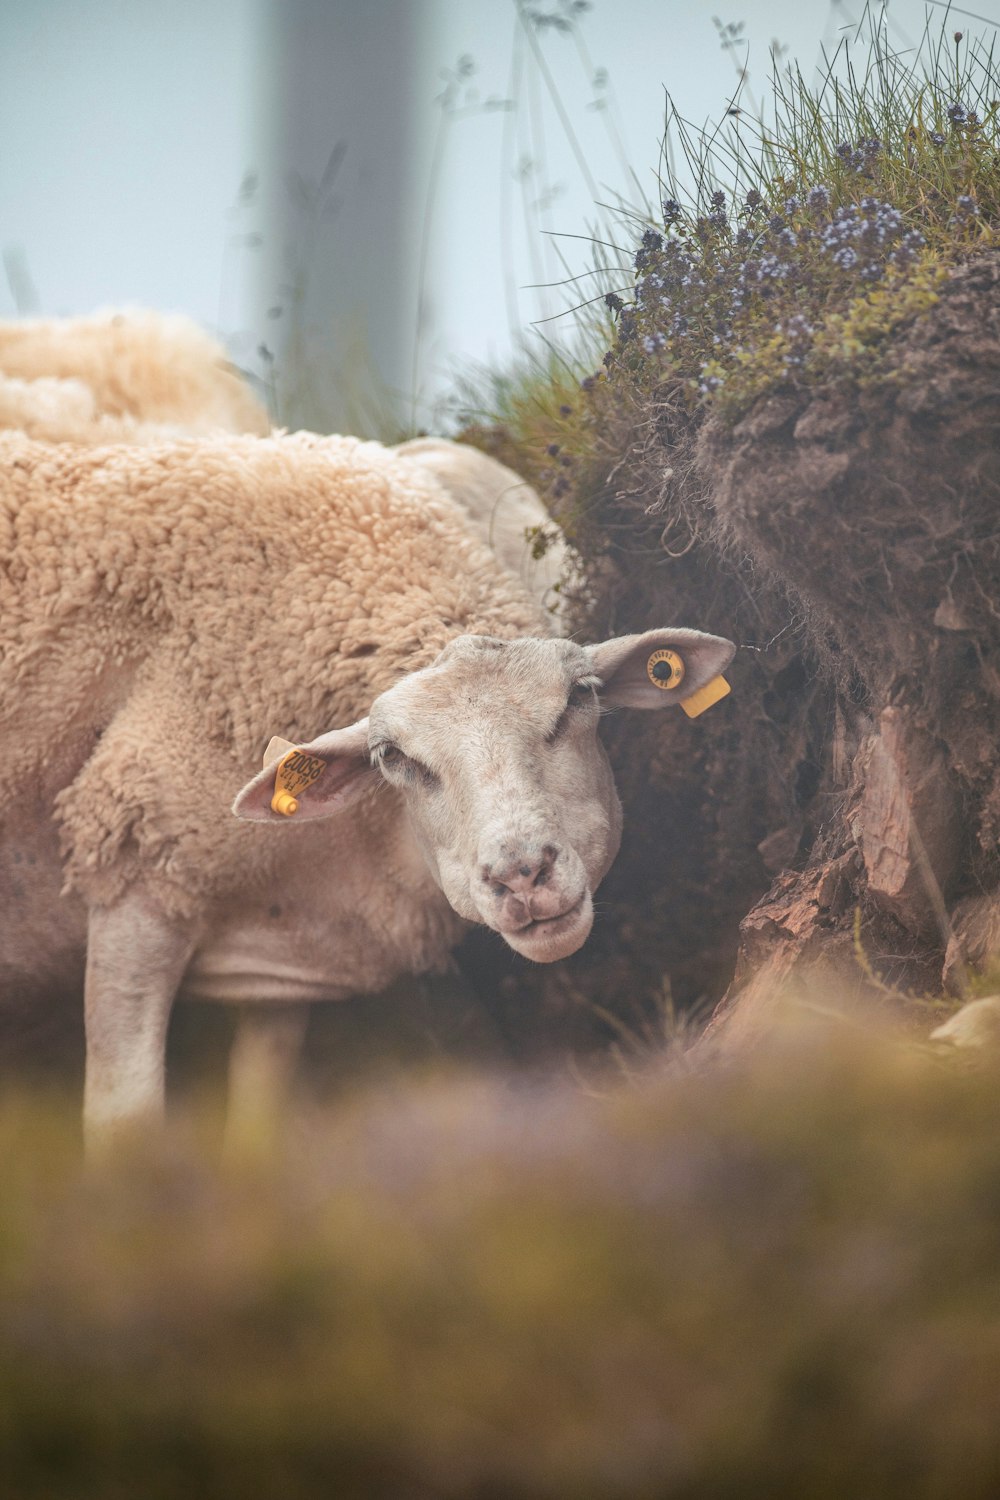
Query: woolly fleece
(165, 610)
(136, 366)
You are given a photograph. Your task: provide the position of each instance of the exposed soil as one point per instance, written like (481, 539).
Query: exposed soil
(848, 537)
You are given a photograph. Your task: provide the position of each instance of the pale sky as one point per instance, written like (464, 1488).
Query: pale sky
(128, 128)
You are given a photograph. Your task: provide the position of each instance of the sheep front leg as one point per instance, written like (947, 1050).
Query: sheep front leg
(135, 962)
(262, 1066)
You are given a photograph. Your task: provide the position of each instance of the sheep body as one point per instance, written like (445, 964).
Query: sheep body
(163, 610)
(104, 377)
(504, 511)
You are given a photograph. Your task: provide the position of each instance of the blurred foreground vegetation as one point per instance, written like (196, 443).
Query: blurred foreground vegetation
(775, 1275)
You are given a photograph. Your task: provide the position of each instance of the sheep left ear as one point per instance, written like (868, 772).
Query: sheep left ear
(316, 780)
(642, 671)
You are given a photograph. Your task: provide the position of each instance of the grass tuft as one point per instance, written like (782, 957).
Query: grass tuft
(785, 252)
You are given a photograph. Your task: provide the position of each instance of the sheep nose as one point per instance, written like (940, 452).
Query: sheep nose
(525, 873)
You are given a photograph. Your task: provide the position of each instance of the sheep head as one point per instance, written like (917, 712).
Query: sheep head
(494, 753)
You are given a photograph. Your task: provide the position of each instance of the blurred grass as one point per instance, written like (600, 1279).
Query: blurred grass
(768, 1276)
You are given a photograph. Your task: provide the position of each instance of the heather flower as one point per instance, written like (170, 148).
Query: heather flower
(651, 240)
(652, 342)
(614, 302)
(788, 239)
(553, 450)
(965, 204)
(819, 196)
(792, 205)
(936, 138)
(776, 223)
(844, 150)
(798, 331)
(797, 327)
(752, 199)
(671, 210)
(770, 268)
(845, 258)
(957, 113)
(718, 220)
(718, 199)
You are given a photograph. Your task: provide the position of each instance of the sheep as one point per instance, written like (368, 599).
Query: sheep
(505, 512)
(163, 611)
(103, 378)
(975, 1024)
(64, 411)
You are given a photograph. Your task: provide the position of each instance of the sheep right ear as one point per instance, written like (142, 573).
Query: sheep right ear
(662, 667)
(310, 781)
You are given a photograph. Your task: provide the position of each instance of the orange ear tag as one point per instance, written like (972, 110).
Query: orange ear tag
(711, 693)
(295, 773)
(665, 670)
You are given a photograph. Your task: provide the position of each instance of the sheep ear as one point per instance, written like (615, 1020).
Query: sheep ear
(302, 782)
(663, 667)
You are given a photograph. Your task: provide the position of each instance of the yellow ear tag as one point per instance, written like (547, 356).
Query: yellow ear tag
(665, 670)
(705, 697)
(295, 773)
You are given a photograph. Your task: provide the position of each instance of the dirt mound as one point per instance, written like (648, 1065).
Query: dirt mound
(877, 507)
(847, 535)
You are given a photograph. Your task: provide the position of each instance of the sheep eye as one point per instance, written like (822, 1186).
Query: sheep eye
(581, 695)
(388, 755)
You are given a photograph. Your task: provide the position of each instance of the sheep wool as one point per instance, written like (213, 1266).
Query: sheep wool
(165, 609)
(102, 378)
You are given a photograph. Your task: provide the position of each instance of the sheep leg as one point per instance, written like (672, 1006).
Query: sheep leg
(135, 962)
(262, 1065)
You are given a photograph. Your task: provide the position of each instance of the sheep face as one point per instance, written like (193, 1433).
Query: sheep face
(494, 752)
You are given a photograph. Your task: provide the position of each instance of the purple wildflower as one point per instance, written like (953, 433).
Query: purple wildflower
(819, 196)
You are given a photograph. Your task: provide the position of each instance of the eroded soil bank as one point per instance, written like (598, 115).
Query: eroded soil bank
(844, 804)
